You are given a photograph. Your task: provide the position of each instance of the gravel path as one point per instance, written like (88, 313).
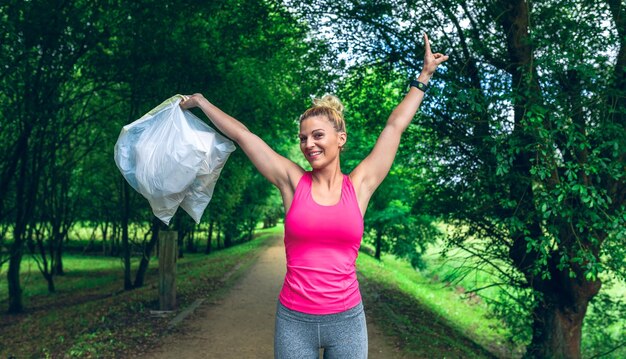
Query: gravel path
(241, 325)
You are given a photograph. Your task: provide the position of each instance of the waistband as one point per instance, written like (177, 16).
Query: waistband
(293, 315)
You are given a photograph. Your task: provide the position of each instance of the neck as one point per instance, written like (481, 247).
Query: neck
(328, 176)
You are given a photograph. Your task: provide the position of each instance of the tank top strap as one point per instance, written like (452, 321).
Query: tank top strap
(348, 194)
(347, 184)
(345, 188)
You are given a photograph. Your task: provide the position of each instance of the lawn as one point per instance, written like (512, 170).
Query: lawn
(91, 316)
(445, 287)
(470, 329)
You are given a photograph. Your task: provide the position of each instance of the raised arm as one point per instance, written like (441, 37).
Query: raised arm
(282, 172)
(368, 175)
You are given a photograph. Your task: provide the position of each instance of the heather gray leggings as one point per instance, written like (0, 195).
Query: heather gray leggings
(300, 335)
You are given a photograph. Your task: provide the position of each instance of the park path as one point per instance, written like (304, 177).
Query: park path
(241, 324)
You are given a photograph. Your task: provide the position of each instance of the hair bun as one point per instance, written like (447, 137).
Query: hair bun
(330, 101)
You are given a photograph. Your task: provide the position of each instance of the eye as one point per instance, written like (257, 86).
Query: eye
(318, 135)
(302, 139)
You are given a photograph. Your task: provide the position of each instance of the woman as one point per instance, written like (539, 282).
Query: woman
(320, 303)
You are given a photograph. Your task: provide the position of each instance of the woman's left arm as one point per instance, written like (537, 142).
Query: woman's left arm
(369, 174)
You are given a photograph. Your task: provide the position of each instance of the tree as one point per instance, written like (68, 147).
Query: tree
(252, 208)
(42, 45)
(529, 142)
(140, 276)
(74, 72)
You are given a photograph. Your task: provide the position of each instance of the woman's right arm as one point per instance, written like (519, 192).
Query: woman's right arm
(282, 172)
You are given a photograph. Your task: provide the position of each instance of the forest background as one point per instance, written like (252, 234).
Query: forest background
(516, 162)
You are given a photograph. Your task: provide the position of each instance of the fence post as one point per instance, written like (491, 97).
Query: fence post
(168, 240)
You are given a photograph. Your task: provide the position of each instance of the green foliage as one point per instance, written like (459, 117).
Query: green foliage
(75, 72)
(526, 138)
(395, 222)
(520, 144)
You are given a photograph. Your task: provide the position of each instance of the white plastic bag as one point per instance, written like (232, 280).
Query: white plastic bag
(173, 159)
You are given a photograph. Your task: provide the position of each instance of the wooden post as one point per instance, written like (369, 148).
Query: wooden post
(168, 241)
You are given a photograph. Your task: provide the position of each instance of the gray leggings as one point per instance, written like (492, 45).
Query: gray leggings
(300, 335)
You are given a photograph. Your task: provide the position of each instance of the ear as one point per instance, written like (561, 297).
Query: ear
(343, 138)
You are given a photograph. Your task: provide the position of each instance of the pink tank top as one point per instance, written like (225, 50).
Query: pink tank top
(322, 244)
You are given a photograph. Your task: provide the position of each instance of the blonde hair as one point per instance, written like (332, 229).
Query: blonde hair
(329, 106)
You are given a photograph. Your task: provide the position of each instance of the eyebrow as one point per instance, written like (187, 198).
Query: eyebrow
(317, 129)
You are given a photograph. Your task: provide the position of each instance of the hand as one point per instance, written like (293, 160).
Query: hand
(191, 101)
(431, 61)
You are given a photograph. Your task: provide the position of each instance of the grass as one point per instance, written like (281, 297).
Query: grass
(427, 309)
(459, 274)
(77, 268)
(90, 316)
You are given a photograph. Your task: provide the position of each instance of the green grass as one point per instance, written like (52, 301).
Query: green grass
(457, 271)
(90, 316)
(469, 318)
(76, 267)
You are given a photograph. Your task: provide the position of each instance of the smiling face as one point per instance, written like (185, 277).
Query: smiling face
(320, 142)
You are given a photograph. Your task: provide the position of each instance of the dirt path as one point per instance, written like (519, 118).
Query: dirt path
(241, 325)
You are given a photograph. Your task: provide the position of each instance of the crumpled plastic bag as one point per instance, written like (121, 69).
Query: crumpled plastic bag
(173, 159)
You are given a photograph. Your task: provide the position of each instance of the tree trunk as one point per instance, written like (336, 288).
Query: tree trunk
(8, 175)
(558, 319)
(228, 241)
(250, 232)
(105, 229)
(191, 245)
(556, 332)
(228, 233)
(209, 238)
(58, 256)
(560, 309)
(180, 243)
(128, 285)
(114, 240)
(50, 279)
(45, 267)
(219, 234)
(147, 253)
(379, 243)
(13, 278)
(15, 260)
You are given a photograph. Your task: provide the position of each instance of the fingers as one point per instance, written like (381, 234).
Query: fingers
(439, 58)
(184, 102)
(426, 44)
(190, 101)
(437, 55)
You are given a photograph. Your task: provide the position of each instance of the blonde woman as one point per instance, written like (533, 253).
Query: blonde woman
(320, 304)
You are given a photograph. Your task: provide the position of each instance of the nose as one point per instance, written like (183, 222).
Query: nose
(309, 142)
